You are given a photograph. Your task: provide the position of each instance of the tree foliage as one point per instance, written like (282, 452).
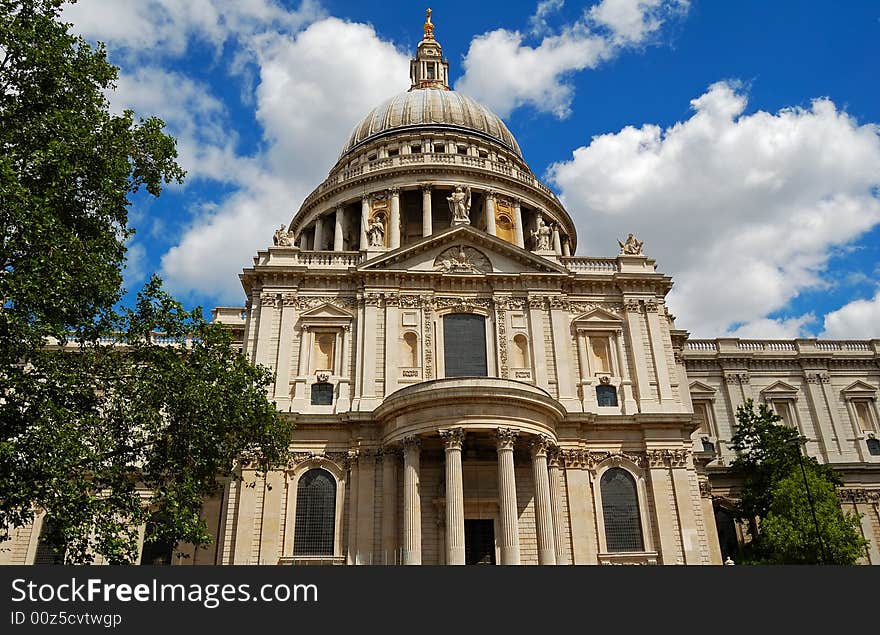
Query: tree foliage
(111, 423)
(774, 500)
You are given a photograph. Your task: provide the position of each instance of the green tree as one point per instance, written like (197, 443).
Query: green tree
(96, 412)
(774, 500)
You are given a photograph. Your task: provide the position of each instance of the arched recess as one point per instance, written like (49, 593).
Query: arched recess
(293, 481)
(638, 476)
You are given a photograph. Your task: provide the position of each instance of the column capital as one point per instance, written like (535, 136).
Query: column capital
(394, 191)
(491, 194)
(411, 443)
(540, 445)
(366, 198)
(340, 208)
(452, 438)
(506, 438)
(426, 187)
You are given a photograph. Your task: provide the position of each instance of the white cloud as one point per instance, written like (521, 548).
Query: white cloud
(313, 89)
(545, 8)
(166, 27)
(743, 210)
(860, 319)
(775, 329)
(504, 72)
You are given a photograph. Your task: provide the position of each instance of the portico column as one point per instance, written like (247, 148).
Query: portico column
(427, 220)
(507, 497)
(365, 219)
(452, 440)
(557, 244)
(337, 230)
(543, 506)
(554, 470)
(412, 506)
(394, 229)
(518, 222)
(319, 234)
(566, 248)
(490, 213)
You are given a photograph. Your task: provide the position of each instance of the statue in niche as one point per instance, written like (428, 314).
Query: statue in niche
(542, 235)
(376, 232)
(282, 238)
(631, 247)
(460, 205)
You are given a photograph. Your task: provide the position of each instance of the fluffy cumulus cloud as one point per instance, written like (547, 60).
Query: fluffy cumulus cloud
(743, 209)
(857, 320)
(502, 70)
(313, 88)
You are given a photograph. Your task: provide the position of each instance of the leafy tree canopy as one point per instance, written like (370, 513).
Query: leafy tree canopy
(774, 500)
(101, 422)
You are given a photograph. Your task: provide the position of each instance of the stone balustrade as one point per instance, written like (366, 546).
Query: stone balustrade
(725, 346)
(590, 265)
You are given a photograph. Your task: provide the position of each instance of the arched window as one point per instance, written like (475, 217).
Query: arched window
(156, 551)
(410, 350)
(620, 506)
(47, 553)
(464, 341)
(315, 524)
(520, 351)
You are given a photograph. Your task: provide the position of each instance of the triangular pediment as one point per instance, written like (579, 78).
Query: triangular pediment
(699, 388)
(779, 387)
(462, 250)
(860, 387)
(597, 315)
(326, 312)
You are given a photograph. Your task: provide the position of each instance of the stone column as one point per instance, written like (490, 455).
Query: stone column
(566, 247)
(285, 350)
(352, 507)
(543, 507)
(427, 220)
(389, 506)
(518, 222)
(319, 234)
(365, 219)
(452, 440)
(507, 497)
(412, 506)
(490, 213)
(658, 352)
(394, 222)
(557, 244)
(337, 229)
(661, 491)
(556, 505)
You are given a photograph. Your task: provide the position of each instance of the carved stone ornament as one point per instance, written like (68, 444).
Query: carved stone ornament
(631, 246)
(462, 259)
(585, 459)
(506, 438)
(282, 238)
(322, 378)
(675, 458)
(452, 438)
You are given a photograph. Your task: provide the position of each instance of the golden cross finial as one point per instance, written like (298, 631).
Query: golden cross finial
(429, 28)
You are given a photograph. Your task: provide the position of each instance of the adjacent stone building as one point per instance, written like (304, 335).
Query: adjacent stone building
(467, 390)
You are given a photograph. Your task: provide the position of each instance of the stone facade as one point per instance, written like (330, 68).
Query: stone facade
(586, 399)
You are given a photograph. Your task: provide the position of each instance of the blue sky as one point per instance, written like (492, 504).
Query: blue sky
(738, 140)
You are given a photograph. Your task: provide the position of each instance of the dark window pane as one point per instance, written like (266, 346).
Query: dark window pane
(623, 527)
(727, 539)
(464, 340)
(156, 552)
(479, 541)
(606, 395)
(315, 514)
(46, 553)
(708, 446)
(322, 394)
(874, 447)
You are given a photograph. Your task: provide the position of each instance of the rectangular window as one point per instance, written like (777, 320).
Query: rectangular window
(863, 415)
(701, 410)
(464, 341)
(393, 152)
(431, 71)
(415, 149)
(783, 409)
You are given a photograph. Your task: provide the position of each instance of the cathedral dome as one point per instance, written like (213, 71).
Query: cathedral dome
(431, 108)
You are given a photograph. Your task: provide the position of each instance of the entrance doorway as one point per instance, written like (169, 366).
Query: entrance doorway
(479, 541)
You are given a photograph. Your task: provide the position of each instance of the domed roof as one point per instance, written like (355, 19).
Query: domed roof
(431, 108)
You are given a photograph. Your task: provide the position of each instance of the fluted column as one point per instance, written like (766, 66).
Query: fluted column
(557, 244)
(353, 507)
(555, 471)
(566, 247)
(394, 223)
(543, 507)
(507, 497)
(365, 220)
(518, 222)
(427, 219)
(319, 234)
(452, 440)
(389, 506)
(490, 213)
(412, 505)
(337, 229)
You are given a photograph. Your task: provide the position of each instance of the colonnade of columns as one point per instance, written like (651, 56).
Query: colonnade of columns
(508, 540)
(393, 240)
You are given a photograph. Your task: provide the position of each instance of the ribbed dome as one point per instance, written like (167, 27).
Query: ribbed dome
(431, 108)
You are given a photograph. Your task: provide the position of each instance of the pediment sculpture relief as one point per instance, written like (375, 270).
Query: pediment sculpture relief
(462, 259)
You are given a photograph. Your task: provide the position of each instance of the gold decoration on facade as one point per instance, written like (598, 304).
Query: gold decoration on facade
(429, 28)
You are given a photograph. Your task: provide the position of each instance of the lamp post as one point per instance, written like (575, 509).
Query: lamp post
(800, 441)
